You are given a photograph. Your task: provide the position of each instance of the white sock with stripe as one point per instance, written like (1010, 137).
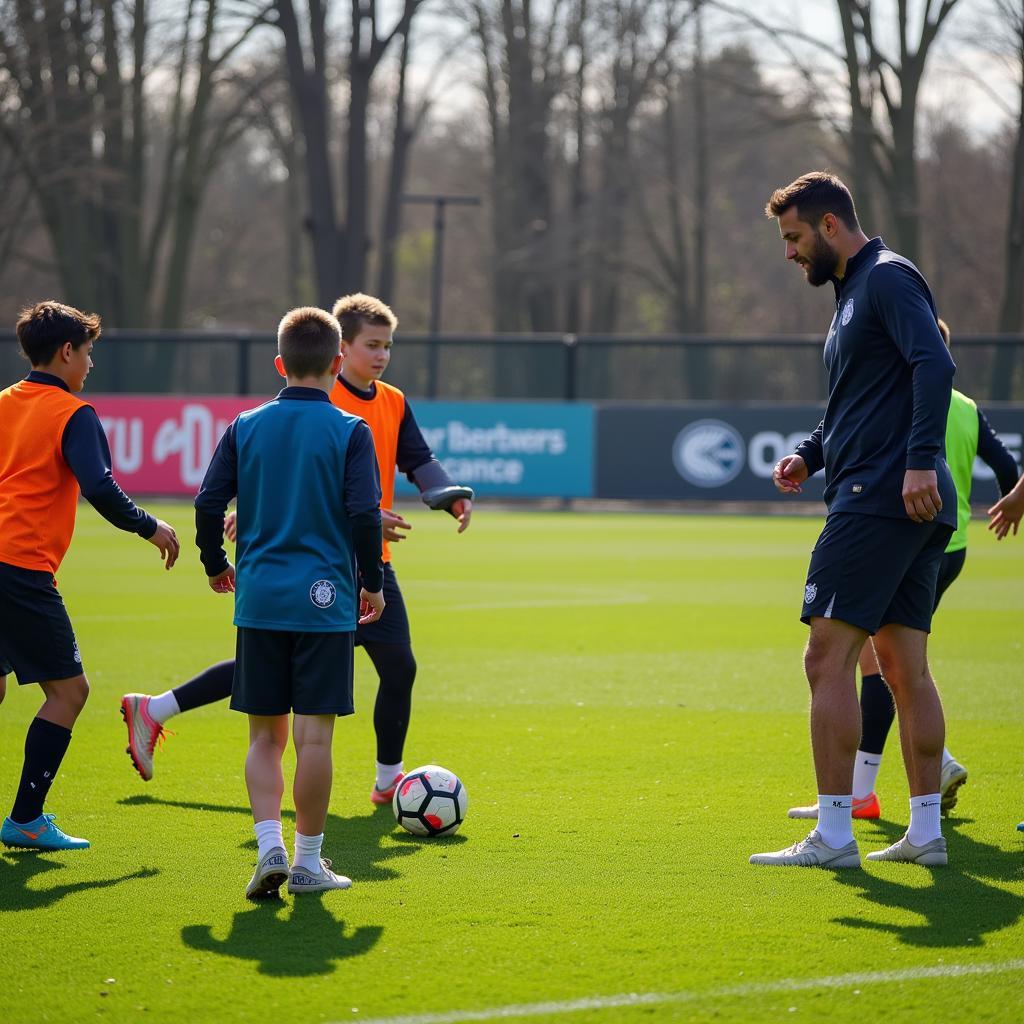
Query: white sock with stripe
(268, 835)
(924, 819)
(835, 822)
(865, 773)
(307, 852)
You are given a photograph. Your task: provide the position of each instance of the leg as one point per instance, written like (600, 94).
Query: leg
(46, 742)
(830, 664)
(268, 736)
(396, 670)
(145, 715)
(314, 771)
(313, 775)
(3, 688)
(902, 654)
(264, 779)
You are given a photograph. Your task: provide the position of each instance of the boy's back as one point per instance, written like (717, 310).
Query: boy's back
(295, 563)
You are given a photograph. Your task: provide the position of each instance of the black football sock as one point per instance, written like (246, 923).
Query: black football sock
(208, 687)
(877, 712)
(45, 746)
(396, 668)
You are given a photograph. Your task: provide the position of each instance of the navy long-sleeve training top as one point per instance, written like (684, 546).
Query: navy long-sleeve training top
(889, 380)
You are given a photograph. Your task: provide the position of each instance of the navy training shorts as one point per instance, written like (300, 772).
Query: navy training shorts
(871, 571)
(278, 671)
(37, 642)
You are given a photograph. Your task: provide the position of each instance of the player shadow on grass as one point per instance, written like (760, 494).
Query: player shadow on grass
(356, 841)
(959, 908)
(305, 942)
(17, 869)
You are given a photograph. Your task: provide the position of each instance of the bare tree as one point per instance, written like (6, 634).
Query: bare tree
(78, 131)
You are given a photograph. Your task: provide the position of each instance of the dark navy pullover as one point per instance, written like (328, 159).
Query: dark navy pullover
(889, 381)
(85, 450)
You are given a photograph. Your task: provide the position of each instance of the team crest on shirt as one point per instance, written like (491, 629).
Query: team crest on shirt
(810, 592)
(847, 312)
(322, 593)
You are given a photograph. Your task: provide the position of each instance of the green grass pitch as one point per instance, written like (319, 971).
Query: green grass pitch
(623, 697)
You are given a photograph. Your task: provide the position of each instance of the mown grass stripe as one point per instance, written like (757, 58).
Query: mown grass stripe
(628, 999)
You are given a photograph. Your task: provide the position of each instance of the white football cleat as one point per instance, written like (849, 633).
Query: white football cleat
(811, 852)
(953, 776)
(931, 855)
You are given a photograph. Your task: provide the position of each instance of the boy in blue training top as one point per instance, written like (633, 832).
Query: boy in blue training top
(293, 463)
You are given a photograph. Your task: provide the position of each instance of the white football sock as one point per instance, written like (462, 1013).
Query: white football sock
(835, 822)
(924, 819)
(386, 774)
(865, 772)
(163, 707)
(307, 852)
(946, 757)
(268, 835)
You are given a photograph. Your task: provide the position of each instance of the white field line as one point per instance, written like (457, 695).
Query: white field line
(659, 998)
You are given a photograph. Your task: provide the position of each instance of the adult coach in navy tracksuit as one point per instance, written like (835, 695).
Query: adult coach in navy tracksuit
(891, 511)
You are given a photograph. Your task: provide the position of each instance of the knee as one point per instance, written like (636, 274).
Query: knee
(3, 688)
(73, 694)
(818, 664)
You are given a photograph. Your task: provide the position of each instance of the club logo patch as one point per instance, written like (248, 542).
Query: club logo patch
(847, 312)
(810, 592)
(322, 593)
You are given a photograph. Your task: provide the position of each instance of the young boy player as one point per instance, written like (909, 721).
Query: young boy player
(305, 477)
(53, 448)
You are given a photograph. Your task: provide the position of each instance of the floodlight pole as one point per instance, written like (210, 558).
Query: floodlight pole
(440, 204)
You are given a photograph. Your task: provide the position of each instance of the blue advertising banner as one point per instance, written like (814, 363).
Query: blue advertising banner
(511, 449)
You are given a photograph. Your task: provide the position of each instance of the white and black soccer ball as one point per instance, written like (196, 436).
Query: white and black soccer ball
(430, 801)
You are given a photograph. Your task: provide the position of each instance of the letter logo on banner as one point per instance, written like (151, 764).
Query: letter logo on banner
(708, 453)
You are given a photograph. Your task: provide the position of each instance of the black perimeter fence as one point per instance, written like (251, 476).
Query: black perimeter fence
(531, 367)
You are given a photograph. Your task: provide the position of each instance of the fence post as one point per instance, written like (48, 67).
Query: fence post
(571, 343)
(243, 363)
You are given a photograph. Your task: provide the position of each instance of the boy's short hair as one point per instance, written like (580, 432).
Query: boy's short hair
(814, 195)
(944, 330)
(44, 328)
(354, 312)
(308, 339)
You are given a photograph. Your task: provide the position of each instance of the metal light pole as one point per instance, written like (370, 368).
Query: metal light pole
(440, 203)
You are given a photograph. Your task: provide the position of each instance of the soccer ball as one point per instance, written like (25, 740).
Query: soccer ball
(430, 801)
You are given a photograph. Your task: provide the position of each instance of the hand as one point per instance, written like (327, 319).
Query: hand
(231, 526)
(462, 510)
(391, 523)
(371, 606)
(789, 473)
(166, 541)
(921, 495)
(1006, 513)
(223, 582)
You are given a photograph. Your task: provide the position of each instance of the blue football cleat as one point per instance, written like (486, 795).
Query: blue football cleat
(41, 834)
(1020, 827)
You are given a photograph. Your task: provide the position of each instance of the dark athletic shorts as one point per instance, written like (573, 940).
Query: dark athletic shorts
(393, 626)
(870, 571)
(37, 642)
(949, 568)
(278, 671)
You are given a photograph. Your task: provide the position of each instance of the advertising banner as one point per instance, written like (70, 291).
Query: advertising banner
(512, 449)
(162, 445)
(718, 452)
